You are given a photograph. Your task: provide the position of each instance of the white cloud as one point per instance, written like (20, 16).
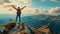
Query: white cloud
(55, 10)
(27, 10)
(16, 2)
(34, 11)
(5, 6)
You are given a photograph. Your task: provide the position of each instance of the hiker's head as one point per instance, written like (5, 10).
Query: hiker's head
(18, 7)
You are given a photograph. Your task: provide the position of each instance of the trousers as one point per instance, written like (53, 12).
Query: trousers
(18, 16)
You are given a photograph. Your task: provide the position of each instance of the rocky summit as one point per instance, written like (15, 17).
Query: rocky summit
(22, 28)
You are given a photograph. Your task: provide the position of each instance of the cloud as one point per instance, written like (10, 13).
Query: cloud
(7, 9)
(34, 11)
(5, 6)
(43, 11)
(55, 0)
(40, 11)
(42, 0)
(6, 1)
(17, 3)
(55, 10)
(50, 0)
(26, 1)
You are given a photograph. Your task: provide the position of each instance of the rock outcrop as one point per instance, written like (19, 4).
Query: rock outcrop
(19, 28)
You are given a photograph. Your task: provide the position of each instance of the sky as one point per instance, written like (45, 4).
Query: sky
(32, 6)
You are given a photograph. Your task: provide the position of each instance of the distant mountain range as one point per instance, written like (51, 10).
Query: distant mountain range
(41, 19)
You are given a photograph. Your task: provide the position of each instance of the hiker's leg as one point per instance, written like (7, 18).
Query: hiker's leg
(19, 18)
(16, 17)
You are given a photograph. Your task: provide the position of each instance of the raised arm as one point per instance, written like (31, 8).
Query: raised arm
(23, 7)
(14, 7)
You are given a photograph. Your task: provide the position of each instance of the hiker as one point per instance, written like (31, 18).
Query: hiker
(18, 12)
